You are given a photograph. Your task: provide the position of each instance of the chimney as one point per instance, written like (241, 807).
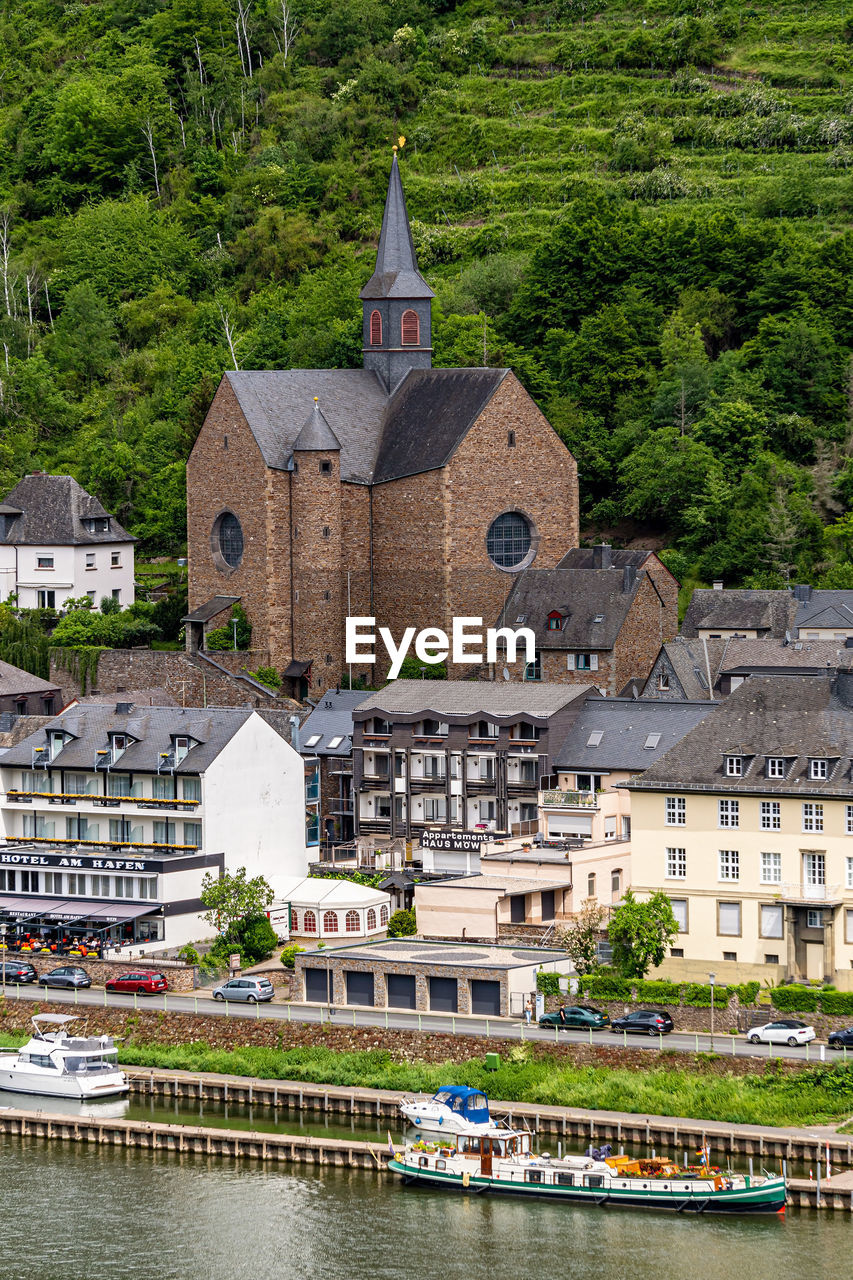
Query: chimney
(294, 732)
(802, 591)
(124, 708)
(602, 556)
(718, 586)
(629, 577)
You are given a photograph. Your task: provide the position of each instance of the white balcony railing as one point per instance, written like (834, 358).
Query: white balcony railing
(568, 800)
(807, 892)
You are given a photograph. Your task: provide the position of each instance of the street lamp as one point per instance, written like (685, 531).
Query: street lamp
(712, 979)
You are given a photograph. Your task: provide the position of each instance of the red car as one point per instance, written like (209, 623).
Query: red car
(143, 982)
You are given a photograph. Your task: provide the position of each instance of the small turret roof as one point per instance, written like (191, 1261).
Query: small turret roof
(316, 435)
(396, 274)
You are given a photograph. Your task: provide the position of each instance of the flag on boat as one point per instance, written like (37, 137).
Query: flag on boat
(391, 1145)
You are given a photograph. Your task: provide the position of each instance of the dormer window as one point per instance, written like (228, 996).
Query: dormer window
(433, 729)
(57, 742)
(775, 767)
(555, 621)
(182, 746)
(734, 766)
(119, 743)
(97, 524)
(818, 770)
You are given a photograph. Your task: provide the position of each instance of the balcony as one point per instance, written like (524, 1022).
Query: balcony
(430, 781)
(112, 845)
(374, 826)
(522, 784)
(342, 766)
(568, 800)
(343, 805)
(795, 891)
(479, 782)
(72, 798)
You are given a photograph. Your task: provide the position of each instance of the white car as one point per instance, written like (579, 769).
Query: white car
(783, 1031)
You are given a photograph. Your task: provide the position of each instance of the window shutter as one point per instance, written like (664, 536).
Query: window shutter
(593, 662)
(375, 329)
(410, 329)
(570, 661)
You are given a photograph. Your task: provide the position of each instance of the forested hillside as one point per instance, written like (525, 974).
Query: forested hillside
(644, 207)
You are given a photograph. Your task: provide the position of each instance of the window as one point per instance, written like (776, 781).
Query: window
(651, 741)
(849, 819)
(729, 864)
(677, 953)
(352, 923)
(29, 881)
(44, 562)
(181, 748)
(848, 876)
(771, 959)
(383, 915)
(330, 922)
(8, 880)
(309, 924)
(590, 885)
(662, 681)
(46, 599)
(80, 829)
(191, 788)
(582, 661)
(771, 868)
(164, 832)
(533, 670)
(97, 524)
(162, 787)
(371, 919)
(848, 924)
(615, 883)
(814, 919)
(812, 817)
(728, 919)
(510, 439)
(771, 815)
(729, 813)
(818, 769)
(734, 766)
(91, 596)
(375, 329)
(325, 470)
(76, 884)
(116, 594)
(508, 540)
(147, 886)
(100, 886)
(589, 781)
(555, 622)
(410, 329)
(679, 910)
(124, 886)
(775, 767)
(730, 955)
(771, 920)
(676, 864)
(119, 744)
(192, 833)
(594, 739)
(90, 560)
(228, 539)
(52, 882)
(435, 809)
(485, 729)
(115, 559)
(814, 871)
(676, 811)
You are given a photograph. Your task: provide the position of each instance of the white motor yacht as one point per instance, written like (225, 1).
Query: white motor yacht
(60, 1065)
(454, 1109)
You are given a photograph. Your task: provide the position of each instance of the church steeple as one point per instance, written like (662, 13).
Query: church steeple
(396, 298)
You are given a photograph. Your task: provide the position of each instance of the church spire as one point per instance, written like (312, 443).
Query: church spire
(396, 298)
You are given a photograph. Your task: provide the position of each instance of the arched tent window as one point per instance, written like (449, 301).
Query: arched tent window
(353, 924)
(375, 329)
(371, 919)
(383, 915)
(330, 922)
(309, 922)
(294, 920)
(411, 329)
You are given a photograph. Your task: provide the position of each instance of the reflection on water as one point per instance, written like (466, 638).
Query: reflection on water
(114, 1214)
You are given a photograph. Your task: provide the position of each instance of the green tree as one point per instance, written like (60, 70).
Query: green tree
(640, 933)
(231, 897)
(580, 939)
(83, 343)
(402, 924)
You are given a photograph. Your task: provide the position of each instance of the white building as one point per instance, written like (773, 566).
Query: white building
(111, 817)
(320, 907)
(57, 542)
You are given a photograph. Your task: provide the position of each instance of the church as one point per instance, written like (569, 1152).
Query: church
(396, 491)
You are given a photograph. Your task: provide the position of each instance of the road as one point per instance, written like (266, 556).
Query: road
(397, 1019)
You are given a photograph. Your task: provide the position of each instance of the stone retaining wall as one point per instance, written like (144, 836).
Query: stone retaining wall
(181, 977)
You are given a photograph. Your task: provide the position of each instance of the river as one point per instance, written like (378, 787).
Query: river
(71, 1212)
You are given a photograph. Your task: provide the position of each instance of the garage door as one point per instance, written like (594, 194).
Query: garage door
(316, 987)
(359, 988)
(443, 995)
(401, 991)
(486, 997)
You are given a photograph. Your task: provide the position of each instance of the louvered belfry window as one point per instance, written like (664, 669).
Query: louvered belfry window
(411, 329)
(375, 329)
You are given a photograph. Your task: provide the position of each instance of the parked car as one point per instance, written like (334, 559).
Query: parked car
(783, 1031)
(69, 975)
(647, 1022)
(19, 972)
(577, 1015)
(251, 989)
(141, 983)
(840, 1039)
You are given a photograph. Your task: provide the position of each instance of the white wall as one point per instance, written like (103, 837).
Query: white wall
(69, 576)
(104, 579)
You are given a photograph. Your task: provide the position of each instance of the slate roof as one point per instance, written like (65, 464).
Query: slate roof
(470, 697)
(826, 609)
(217, 604)
(53, 509)
(14, 681)
(316, 435)
(582, 557)
(331, 718)
(581, 596)
(741, 610)
(741, 655)
(625, 725)
(90, 724)
(396, 274)
(796, 717)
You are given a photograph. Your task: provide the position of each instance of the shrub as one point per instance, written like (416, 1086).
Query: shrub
(746, 991)
(698, 995)
(795, 999)
(402, 924)
(268, 676)
(288, 955)
(840, 1002)
(548, 983)
(189, 955)
(662, 992)
(606, 987)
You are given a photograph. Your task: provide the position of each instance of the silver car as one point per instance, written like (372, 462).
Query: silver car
(251, 989)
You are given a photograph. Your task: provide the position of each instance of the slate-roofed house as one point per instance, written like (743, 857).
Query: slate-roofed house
(716, 613)
(395, 491)
(111, 815)
(325, 743)
(595, 626)
(24, 694)
(747, 824)
(698, 669)
(823, 615)
(57, 542)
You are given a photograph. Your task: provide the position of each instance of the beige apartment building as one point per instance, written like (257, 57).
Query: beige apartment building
(747, 824)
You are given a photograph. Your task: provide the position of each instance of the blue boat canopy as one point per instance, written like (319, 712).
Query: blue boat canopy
(470, 1103)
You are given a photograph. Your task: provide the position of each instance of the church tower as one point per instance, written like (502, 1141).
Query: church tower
(396, 298)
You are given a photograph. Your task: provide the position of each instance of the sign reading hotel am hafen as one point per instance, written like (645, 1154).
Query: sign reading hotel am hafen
(79, 862)
(455, 841)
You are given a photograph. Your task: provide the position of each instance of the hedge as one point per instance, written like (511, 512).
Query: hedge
(692, 994)
(799, 999)
(660, 991)
(548, 983)
(836, 1002)
(606, 987)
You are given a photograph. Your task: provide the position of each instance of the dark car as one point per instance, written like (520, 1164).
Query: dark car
(142, 983)
(581, 1016)
(19, 972)
(648, 1022)
(841, 1039)
(69, 975)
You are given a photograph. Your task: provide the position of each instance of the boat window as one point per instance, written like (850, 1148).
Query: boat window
(534, 1175)
(423, 1163)
(566, 1179)
(593, 1180)
(441, 1164)
(42, 1060)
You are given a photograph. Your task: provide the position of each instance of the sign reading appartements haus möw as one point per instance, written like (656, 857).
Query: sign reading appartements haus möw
(457, 841)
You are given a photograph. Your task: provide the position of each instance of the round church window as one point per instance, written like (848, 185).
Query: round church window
(509, 540)
(228, 539)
